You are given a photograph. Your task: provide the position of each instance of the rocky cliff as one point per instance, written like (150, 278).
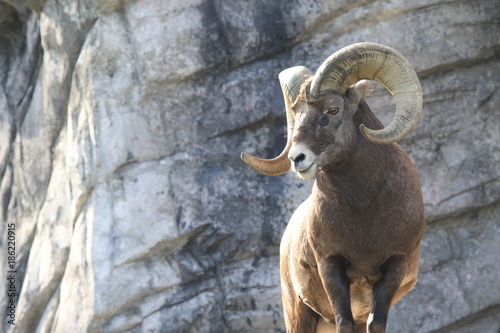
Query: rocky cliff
(121, 124)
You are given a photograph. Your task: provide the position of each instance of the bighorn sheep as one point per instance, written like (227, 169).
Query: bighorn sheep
(351, 250)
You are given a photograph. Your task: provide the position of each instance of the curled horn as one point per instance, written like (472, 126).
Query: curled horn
(291, 81)
(380, 63)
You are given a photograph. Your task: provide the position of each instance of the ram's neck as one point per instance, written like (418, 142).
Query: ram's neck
(360, 181)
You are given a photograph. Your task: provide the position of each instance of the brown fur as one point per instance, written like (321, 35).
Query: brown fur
(351, 250)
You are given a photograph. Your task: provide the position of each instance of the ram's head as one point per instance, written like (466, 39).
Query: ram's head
(322, 110)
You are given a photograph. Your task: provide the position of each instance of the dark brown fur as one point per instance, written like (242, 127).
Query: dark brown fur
(351, 250)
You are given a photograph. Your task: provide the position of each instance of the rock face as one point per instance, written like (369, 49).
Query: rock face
(121, 124)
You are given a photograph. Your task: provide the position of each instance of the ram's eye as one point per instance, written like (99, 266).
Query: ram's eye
(333, 110)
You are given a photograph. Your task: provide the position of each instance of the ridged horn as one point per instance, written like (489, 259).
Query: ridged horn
(385, 65)
(291, 81)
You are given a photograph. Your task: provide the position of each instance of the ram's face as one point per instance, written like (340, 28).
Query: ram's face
(320, 128)
(324, 135)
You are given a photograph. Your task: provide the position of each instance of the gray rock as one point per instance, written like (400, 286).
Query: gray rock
(121, 125)
(458, 280)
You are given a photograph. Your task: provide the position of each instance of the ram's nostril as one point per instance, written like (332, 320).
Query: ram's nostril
(299, 158)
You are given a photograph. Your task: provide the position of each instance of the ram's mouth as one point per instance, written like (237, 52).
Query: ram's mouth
(308, 172)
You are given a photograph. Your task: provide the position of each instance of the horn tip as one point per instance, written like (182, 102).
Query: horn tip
(372, 136)
(259, 165)
(245, 157)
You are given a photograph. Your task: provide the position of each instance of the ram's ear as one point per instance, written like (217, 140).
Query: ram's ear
(357, 92)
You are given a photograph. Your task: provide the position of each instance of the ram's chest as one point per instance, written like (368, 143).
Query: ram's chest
(368, 235)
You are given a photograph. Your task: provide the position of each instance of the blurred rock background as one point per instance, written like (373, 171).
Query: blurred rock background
(121, 125)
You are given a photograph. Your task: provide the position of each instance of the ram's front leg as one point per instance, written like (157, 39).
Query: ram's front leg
(299, 318)
(385, 292)
(336, 284)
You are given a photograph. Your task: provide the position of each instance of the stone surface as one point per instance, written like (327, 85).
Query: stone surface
(121, 125)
